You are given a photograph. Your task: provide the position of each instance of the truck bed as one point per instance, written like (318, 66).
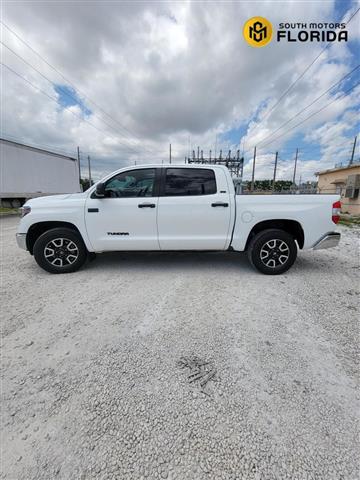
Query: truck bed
(312, 212)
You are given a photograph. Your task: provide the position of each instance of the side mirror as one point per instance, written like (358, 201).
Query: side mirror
(100, 190)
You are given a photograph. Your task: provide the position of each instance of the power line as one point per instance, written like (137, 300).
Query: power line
(59, 88)
(16, 139)
(52, 148)
(310, 116)
(13, 138)
(301, 75)
(70, 83)
(65, 107)
(311, 149)
(308, 106)
(65, 78)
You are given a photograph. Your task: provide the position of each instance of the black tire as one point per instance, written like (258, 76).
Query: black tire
(69, 251)
(272, 251)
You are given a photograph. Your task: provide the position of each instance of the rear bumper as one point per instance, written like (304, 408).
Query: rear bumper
(328, 241)
(21, 240)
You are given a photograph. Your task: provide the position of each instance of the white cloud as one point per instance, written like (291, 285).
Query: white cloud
(165, 71)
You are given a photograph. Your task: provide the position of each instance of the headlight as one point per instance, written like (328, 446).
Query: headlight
(24, 211)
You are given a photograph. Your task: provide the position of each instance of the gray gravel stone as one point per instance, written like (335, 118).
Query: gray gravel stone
(284, 402)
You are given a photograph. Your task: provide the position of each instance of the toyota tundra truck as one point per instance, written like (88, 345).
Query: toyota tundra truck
(175, 208)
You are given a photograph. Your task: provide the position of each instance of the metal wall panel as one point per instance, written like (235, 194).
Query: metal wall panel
(25, 170)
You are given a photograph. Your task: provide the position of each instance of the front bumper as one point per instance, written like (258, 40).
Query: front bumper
(328, 241)
(21, 240)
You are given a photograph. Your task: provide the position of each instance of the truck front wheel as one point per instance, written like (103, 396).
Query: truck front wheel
(60, 250)
(272, 251)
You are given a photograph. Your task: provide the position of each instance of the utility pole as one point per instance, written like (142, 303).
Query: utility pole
(275, 167)
(78, 159)
(170, 153)
(89, 166)
(215, 145)
(253, 172)
(240, 164)
(353, 152)
(296, 158)
(198, 152)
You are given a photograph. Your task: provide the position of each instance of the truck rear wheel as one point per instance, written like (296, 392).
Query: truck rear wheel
(60, 250)
(272, 251)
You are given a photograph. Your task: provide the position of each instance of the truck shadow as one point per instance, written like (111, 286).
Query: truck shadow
(228, 261)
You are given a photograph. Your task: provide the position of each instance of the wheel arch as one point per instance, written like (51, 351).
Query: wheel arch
(292, 227)
(39, 228)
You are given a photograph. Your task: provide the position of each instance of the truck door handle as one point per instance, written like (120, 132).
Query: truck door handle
(219, 204)
(93, 210)
(146, 205)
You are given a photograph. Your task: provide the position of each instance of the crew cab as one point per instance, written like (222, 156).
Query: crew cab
(175, 207)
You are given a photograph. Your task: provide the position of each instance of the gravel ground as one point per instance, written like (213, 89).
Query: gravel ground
(92, 387)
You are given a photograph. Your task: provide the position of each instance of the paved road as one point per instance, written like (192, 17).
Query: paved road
(92, 387)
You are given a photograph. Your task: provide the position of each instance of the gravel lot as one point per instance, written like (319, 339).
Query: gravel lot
(92, 387)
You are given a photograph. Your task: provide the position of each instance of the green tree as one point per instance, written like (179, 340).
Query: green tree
(281, 185)
(84, 182)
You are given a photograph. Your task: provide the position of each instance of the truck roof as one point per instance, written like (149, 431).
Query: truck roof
(161, 165)
(174, 165)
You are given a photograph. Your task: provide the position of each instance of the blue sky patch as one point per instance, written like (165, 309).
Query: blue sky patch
(310, 150)
(69, 97)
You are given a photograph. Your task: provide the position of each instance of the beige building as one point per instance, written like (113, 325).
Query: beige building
(346, 182)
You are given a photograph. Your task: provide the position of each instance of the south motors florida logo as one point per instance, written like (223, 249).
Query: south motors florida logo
(258, 32)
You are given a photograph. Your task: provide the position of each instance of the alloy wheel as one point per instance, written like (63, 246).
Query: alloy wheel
(274, 253)
(61, 252)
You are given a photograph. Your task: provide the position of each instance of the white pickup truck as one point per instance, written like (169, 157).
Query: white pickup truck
(173, 207)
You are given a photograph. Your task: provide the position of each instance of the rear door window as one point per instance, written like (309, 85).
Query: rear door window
(182, 182)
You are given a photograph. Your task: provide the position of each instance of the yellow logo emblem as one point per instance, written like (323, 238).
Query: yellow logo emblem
(257, 31)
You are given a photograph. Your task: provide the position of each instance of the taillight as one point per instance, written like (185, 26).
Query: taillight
(336, 209)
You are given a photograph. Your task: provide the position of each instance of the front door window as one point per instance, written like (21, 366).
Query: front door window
(135, 183)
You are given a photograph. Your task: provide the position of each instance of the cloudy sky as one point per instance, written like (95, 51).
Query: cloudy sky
(124, 79)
